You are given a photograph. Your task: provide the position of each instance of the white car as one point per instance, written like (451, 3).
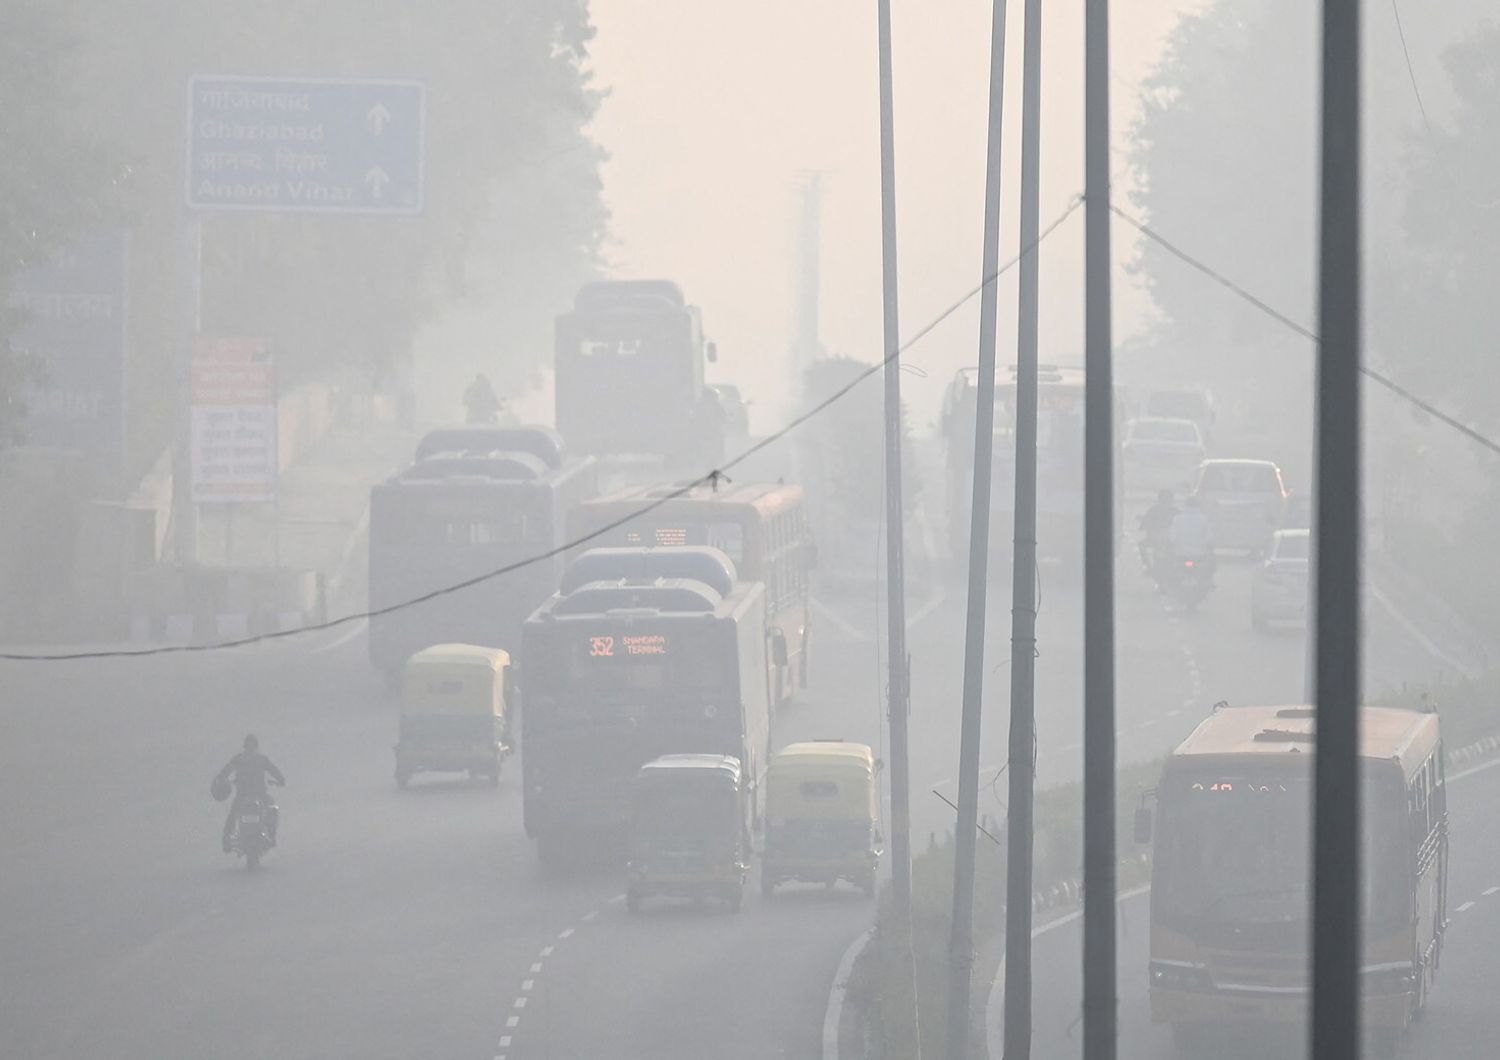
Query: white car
(1279, 591)
(1187, 404)
(1243, 500)
(1161, 454)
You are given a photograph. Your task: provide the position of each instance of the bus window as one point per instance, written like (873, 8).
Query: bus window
(729, 538)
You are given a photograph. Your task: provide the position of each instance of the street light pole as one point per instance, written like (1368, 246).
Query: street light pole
(1099, 987)
(898, 696)
(1336, 801)
(1023, 586)
(961, 941)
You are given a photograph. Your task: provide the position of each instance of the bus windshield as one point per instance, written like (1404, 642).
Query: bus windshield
(1235, 847)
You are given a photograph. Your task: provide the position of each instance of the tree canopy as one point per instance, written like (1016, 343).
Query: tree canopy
(513, 211)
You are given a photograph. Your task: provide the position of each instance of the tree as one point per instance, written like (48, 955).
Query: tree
(1225, 163)
(56, 182)
(513, 210)
(1444, 289)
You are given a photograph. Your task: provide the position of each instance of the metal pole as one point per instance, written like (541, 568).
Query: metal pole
(1336, 809)
(184, 511)
(898, 697)
(1099, 988)
(1023, 579)
(961, 942)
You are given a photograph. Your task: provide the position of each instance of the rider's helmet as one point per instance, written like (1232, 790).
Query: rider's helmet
(251, 743)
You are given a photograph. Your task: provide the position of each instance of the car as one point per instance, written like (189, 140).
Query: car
(1186, 403)
(1244, 501)
(736, 409)
(1279, 591)
(1161, 453)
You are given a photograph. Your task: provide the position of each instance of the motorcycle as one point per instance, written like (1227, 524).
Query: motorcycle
(254, 830)
(1186, 580)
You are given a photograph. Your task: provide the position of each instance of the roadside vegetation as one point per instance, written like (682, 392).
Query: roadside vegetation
(1058, 868)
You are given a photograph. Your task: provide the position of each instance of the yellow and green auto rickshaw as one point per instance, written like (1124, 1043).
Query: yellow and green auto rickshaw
(821, 816)
(689, 830)
(453, 712)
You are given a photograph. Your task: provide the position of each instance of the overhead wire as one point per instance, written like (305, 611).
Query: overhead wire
(713, 476)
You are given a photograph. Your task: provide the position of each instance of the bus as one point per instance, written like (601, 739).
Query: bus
(461, 514)
(641, 652)
(1059, 472)
(1231, 874)
(629, 362)
(762, 527)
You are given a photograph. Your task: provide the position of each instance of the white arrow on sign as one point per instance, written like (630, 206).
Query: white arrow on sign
(377, 179)
(376, 117)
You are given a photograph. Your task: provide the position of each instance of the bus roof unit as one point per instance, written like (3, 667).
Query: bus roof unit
(707, 566)
(1386, 733)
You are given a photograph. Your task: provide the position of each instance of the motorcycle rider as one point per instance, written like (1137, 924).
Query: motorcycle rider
(1191, 537)
(480, 401)
(1156, 524)
(249, 770)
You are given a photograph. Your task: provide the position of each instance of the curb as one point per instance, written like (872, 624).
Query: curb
(833, 1015)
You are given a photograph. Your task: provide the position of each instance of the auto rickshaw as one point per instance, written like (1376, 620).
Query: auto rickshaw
(689, 830)
(453, 712)
(821, 803)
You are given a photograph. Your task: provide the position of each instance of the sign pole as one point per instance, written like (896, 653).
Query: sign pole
(898, 695)
(189, 286)
(1021, 759)
(961, 941)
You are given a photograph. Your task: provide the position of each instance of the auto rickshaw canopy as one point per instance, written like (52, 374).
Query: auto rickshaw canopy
(822, 779)
(456, 679)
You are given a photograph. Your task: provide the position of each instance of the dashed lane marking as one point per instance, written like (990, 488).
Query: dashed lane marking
(520, 1003)
(536, 969)
(591, 915)
(505, 1042)
(1490, 890)
(565, 933)
(617, 899)
(512, 1021)
(1465, 907)
(546, 952)
(527, 985)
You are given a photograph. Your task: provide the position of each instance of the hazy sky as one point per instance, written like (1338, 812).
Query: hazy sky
(715, 109)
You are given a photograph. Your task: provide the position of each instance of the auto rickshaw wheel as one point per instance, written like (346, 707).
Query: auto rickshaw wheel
(403, 778)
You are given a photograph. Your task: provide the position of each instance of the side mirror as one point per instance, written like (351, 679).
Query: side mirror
(711, 351)
(879, 764)
(1143, 825)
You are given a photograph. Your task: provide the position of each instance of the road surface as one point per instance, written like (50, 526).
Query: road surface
(395, 924)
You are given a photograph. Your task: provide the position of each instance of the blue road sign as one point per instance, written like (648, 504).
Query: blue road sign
(318, 146)
(72, 325)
